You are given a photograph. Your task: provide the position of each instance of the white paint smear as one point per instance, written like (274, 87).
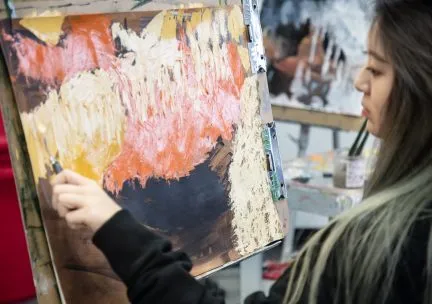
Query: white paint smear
(256, 222)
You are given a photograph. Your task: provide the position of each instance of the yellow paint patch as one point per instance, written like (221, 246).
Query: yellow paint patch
(180, 16)
(235, 23)
(83, 167)
(47, 29)
(207, 15)
(169, 28)
(244, 56)
(196, 19)
(34, 149)
(83, 162)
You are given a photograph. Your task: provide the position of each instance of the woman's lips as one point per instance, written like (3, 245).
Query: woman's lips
(365, 113)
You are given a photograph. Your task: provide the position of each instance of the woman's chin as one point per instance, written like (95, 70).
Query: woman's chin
(372, 129)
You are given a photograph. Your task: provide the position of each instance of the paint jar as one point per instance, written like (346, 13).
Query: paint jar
(348, 171)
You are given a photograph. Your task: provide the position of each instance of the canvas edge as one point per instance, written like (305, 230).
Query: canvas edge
(226, 265)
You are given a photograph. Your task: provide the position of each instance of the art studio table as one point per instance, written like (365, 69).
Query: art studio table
(316, 196)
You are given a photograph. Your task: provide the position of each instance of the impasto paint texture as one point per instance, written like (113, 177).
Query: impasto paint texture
(88, 45)
(163, 111)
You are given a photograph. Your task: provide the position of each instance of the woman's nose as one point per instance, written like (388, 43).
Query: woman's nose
(362, 82)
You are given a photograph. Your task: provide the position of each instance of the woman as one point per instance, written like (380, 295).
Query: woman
(378, 252)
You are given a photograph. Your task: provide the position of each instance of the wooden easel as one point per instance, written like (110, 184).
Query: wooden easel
(317, 118)
(333, 121)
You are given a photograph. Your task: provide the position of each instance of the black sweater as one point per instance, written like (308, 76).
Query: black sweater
(155, 274)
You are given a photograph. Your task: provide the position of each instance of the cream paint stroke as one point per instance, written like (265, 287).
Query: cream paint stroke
(85, 113)
(235, 23)
(174, 80)
(150, 55)
(255, 219)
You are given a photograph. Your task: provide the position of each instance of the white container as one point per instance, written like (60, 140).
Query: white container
(349, 172)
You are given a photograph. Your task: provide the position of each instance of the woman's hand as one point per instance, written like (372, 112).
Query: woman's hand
(81, 201)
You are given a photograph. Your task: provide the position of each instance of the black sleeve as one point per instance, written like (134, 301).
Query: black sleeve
(276, 294)
(152, 272)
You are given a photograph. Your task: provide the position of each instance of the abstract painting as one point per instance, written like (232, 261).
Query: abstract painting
(315, 49)
(163, 111)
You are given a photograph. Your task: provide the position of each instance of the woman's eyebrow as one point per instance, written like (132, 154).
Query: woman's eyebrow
(376, 55)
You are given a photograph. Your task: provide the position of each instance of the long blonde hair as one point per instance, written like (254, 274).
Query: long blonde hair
(363, 247)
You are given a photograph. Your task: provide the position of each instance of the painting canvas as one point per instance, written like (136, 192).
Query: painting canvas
(163, 111)
(315, 49)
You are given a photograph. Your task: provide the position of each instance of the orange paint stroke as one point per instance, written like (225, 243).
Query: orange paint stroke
(88, 45)
(170, 144)
(236, 65)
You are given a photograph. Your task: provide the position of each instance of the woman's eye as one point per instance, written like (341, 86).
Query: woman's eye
(373, 71)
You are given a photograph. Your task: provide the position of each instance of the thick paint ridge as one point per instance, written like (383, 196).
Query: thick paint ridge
(255, 219)
(87, 45)
(85, 123)
(159, 108)
(182, 94)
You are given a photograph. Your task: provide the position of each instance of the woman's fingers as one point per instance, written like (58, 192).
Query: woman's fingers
(76, 219)
(69, 201)
(70, 177)
(81, 201)
(62, 210)
(69, 191)
(65, 188)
